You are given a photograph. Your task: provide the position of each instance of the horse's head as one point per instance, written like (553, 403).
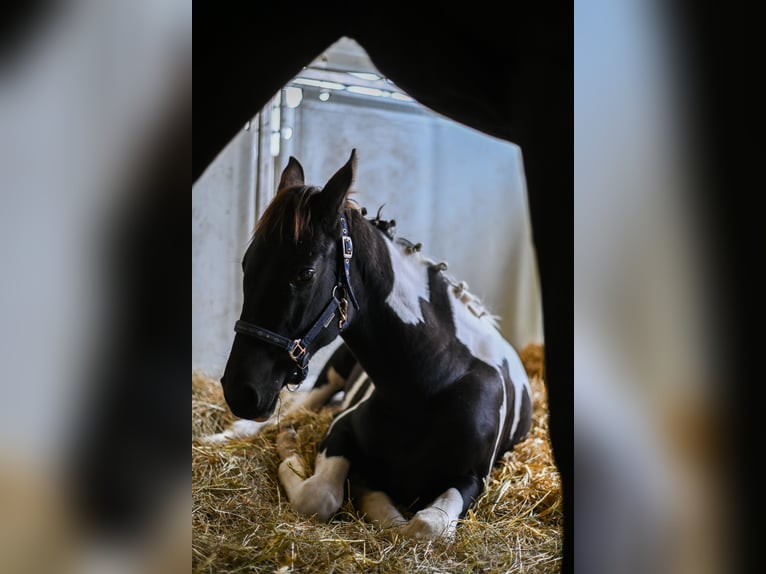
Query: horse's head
(295, 290)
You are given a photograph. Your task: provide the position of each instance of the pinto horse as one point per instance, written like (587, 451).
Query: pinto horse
(450, 395)
(513, 82)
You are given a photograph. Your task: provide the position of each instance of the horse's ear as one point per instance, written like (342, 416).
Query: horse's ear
(333, 196)
(292, 176)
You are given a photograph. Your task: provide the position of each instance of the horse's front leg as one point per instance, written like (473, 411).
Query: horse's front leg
(320, 494)
(440, 517)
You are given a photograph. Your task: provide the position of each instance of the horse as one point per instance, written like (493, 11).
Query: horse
(449, 395)
(525, 100)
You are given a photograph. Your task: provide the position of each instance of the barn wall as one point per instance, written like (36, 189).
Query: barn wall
(223, 215)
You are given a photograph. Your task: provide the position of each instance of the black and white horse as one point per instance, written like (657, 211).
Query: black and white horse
(450, 394)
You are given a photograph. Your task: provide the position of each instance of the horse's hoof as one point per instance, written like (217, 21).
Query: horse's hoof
(426, 524)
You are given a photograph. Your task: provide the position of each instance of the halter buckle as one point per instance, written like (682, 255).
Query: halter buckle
(348, 247)
(297, 352)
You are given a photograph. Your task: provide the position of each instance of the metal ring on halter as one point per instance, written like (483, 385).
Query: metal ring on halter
(342, 306)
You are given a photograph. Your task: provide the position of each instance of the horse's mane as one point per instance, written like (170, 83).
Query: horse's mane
(460, 289)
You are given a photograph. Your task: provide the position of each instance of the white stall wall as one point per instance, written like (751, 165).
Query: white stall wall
(223, 215)
(459, 192)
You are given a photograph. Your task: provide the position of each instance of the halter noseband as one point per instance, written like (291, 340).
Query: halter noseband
(299, 349)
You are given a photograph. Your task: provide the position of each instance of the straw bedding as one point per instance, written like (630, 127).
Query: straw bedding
(242, 521)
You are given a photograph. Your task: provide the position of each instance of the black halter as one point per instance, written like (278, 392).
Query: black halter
(300, 350)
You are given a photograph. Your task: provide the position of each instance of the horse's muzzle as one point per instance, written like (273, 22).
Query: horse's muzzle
(246, 402)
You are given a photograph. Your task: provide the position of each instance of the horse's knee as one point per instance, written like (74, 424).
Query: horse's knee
(319, 498)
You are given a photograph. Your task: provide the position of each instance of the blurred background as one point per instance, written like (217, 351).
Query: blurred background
(95, 145)
(650, 348)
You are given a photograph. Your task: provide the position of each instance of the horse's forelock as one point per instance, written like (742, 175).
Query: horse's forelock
(289, 215)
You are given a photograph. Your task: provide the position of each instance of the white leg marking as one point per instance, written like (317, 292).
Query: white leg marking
(367, 393)
(378, 509)
(318, 396)
(335, 381)
(320, 494)
(352, 394)
(241, 429)
(350, 410)
(438, 519)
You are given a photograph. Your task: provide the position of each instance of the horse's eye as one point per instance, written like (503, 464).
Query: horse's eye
(306, 274)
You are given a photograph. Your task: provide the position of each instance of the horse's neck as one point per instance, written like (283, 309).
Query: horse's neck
(390, 286)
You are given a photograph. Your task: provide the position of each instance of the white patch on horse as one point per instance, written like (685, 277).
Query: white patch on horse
(518, 400)
(410, 285)
(320, 494)
(475, 327)
(438, 519)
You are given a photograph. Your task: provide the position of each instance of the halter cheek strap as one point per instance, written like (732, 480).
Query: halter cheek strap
(347, 249)
(300, 350)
